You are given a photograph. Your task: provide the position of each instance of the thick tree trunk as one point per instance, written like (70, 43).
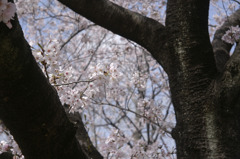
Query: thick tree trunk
(191, 80)
(30, 106)
(207, 127)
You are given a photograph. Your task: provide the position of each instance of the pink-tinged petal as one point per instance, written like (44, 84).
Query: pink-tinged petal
(9, 12)
(9, 25)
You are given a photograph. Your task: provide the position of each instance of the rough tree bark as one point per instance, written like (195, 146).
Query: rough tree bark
(204, 81)
(30, 106)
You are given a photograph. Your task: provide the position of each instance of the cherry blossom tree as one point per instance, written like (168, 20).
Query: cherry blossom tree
(88, 92)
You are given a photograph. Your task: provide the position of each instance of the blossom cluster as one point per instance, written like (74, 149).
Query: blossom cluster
(114, 145)
(118, 146)
(12, 147)
(7, 11)
(232, 35)
(104, 76)
(139, 81)
(51, 62)
(9, 145)
(148, 109)
(101, 78)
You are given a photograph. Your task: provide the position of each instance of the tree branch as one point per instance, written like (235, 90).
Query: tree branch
(145, 31)
(222, 49)
(227, 101)
(236, 1)
(82, 135)
(229, 81)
